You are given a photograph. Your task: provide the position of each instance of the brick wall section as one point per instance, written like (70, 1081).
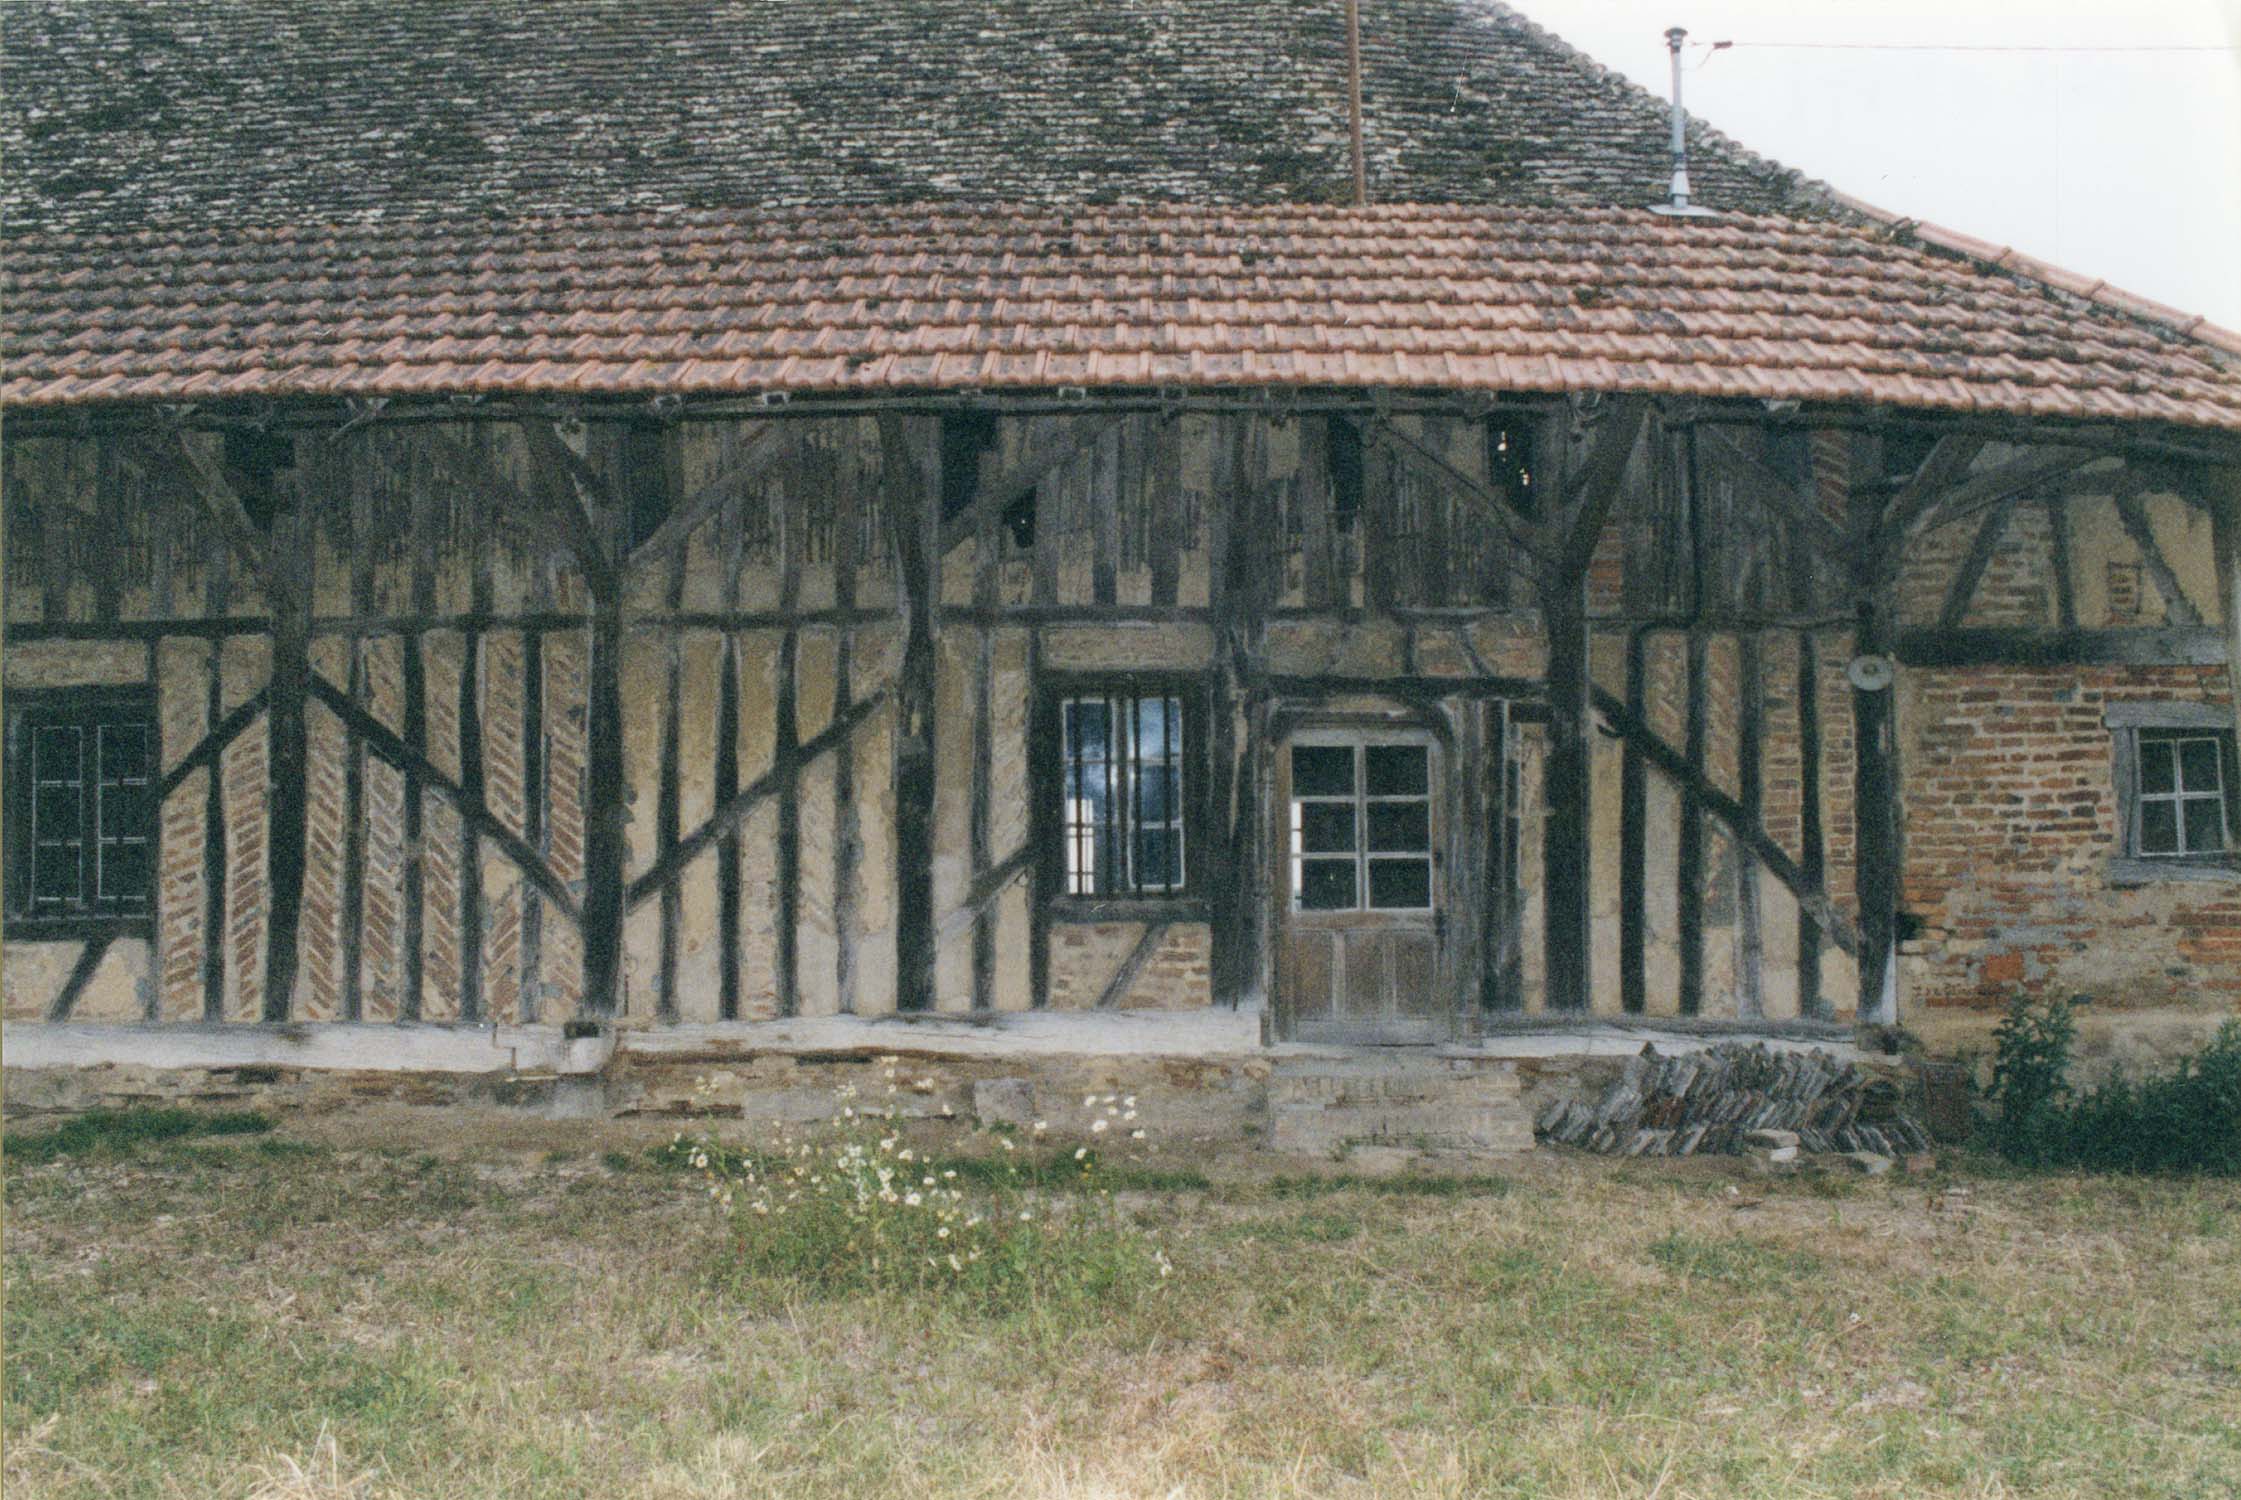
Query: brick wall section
(182, 710)
(2011, 822)
(502, 704)
(385, 853)
(246, 782)
(565, 687)
(319, 975)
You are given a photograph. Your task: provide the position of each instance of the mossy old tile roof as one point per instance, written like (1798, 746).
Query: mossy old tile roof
(277, 199)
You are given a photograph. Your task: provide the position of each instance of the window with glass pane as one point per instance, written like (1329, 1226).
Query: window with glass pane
(1123, 790)
(2181, 796)
(1361, 827)
(81, 814)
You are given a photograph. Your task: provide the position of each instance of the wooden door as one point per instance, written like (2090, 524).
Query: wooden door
(1360, 950)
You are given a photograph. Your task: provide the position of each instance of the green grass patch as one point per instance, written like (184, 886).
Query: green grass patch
(1731, 1258)
(1405, 1185)
(119, 1131)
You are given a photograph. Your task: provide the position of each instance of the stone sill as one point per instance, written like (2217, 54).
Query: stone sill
(2127, 873)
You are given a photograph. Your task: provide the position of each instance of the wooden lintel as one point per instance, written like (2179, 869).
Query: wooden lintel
(2020, 646)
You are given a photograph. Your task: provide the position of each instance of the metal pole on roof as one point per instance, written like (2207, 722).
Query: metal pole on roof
(1354, 97)
(1679, 206)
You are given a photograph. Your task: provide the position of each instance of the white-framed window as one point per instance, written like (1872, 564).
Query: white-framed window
(2175, 785)
(1361, 823)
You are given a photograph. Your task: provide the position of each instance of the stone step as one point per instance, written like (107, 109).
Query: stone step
(1327, 1107)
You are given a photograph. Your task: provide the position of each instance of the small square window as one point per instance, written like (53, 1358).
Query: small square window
(2180, 800)
(81, 807)
(2176, 781)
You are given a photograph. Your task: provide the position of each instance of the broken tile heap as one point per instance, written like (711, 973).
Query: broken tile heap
(1709, 1102)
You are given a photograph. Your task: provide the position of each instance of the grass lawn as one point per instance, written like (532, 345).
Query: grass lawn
(434, 1305)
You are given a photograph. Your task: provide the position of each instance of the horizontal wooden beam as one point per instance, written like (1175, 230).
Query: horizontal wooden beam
(2016, 646)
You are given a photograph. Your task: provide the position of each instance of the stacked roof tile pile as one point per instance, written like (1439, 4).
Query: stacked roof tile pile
(881, 299)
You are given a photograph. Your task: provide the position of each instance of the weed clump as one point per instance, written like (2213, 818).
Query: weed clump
(123, 1130)
(2186, 1118)
(849, 1207)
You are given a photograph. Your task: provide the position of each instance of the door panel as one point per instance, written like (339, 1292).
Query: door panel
(1359, 954)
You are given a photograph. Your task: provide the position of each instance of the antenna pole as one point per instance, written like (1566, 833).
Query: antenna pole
(1354, 96)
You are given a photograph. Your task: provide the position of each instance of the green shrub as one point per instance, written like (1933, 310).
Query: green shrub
(2186, 1118)
(118, 1130)
(2031, 1063)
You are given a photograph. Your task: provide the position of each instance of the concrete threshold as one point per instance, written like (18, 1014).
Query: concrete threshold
(1199, 1035)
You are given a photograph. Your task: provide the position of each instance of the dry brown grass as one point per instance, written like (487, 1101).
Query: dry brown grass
(427, 1306)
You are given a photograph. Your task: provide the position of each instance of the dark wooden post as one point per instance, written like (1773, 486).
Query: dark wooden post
(914, 514)
(1634, 856)
(1874, 758)
(1750, 995)
(1565, 843)
(1569, 533)
(287, 753)
(2220, 490)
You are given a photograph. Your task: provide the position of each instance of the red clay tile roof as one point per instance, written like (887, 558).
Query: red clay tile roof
(883, 299)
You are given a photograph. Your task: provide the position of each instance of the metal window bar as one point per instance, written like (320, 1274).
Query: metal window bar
(57, 765)
(1109, 776)
(120, 832)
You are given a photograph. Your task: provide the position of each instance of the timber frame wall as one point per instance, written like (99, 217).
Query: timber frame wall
(485, 711)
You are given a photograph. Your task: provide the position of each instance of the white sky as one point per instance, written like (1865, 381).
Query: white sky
(2121, 164)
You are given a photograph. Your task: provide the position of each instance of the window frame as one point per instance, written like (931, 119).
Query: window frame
(2132, 724)
(1049, 831)
(88, 709)
(1361, 802)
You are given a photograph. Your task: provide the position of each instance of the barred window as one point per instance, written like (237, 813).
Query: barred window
(81, 810)
(1123, 825)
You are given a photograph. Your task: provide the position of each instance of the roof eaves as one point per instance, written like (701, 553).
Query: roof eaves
(2007, 260)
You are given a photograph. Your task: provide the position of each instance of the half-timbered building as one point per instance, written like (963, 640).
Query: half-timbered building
(673, 517)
